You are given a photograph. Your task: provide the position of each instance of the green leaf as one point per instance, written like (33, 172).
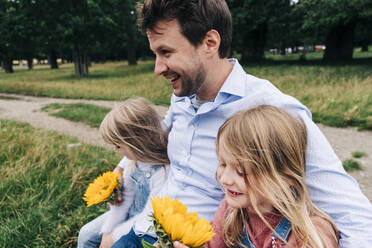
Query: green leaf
(146, 244)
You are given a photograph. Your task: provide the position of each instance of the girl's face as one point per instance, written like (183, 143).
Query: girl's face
(125, 151)
(231, 177)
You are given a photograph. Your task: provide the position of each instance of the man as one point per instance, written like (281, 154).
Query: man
(191, 41)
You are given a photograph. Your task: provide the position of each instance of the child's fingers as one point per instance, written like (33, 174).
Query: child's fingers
(179, 245)
(120, 198)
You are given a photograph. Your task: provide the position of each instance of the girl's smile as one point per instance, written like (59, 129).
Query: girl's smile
(233, 194)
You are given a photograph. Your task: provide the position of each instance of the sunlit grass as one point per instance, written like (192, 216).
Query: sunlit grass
(109, 81)
(89, 114)
(42, 184)
(338, 94)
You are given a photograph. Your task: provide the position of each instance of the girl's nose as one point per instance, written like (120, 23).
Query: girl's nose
(226, 177)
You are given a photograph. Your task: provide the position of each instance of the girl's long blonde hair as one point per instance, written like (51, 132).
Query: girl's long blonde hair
(272, 144)
(136, 125)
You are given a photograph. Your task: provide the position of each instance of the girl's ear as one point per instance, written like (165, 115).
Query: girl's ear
(211, 42)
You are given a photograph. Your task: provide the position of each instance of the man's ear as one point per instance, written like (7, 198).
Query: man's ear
(211, 42)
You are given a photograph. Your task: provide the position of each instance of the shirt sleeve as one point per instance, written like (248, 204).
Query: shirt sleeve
(123, 228)
(123, 162)
(332, 189)
(117, 214)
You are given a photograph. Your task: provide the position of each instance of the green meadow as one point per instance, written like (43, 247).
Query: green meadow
(338, 94)
(109, 81)
(43, 179)
(89, 114)
(42, 185)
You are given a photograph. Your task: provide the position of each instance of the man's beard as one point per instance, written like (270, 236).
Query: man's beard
(192, 85)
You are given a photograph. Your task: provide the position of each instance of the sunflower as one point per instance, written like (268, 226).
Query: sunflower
(172, 222)
(101, 188)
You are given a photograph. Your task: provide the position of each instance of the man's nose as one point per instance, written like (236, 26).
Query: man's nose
(160, 66)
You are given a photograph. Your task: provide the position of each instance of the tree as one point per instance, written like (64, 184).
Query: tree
(9, 33)
(53, 28)
(338, 19)
(251, 22)
(124, 19)
(284, 30)
(86, 27)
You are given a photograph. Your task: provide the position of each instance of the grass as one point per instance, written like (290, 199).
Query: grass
(89, 114)
(42, 184)
(109, 81)
(351, 164)
(338, 94)
(358, 154)
(318, 55)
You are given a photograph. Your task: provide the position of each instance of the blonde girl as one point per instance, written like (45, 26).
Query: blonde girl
(262, 171)
(134, 129)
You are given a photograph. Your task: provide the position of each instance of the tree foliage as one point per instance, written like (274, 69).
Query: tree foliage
(100, 30)
(337, 21)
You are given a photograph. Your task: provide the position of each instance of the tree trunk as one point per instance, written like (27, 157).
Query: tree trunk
(52, 59)
(365, 46)
(132, 58)
(30, 63)
(8, 65)
(80, 62)
(282, 49)
(254, 44)
(339, 43)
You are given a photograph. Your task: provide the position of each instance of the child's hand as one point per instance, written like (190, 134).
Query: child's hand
(107, 240)
(179, 245)
(119, 198)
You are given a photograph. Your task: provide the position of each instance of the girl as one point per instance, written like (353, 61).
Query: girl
(134, 129)
(262, 171)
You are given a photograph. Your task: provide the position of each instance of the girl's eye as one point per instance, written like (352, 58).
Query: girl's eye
(222, 165)
(240, 172)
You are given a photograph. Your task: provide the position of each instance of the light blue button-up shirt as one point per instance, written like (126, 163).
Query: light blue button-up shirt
(192, 152)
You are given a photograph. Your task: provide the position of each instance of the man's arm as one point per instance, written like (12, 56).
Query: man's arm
(336, 192)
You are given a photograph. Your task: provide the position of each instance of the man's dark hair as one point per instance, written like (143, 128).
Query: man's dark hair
(196, 18)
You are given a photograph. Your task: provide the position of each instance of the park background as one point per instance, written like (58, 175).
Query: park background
(318, 51)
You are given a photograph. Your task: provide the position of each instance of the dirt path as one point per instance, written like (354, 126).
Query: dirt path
(27, 109)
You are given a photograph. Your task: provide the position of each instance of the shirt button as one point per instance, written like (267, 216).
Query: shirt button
(148, 175)
(185, 152)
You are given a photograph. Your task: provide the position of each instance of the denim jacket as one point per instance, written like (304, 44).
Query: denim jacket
(141, 189)
(283, 229)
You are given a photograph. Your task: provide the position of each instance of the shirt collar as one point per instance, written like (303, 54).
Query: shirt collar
(232, 84)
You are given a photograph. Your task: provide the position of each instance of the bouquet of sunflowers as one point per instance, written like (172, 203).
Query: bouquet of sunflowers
(171, 222)
(104, 188)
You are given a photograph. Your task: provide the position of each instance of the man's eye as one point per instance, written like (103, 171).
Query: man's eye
(222, 165)
(165, 52)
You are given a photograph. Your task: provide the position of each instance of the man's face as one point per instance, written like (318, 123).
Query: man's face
(176, 58)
